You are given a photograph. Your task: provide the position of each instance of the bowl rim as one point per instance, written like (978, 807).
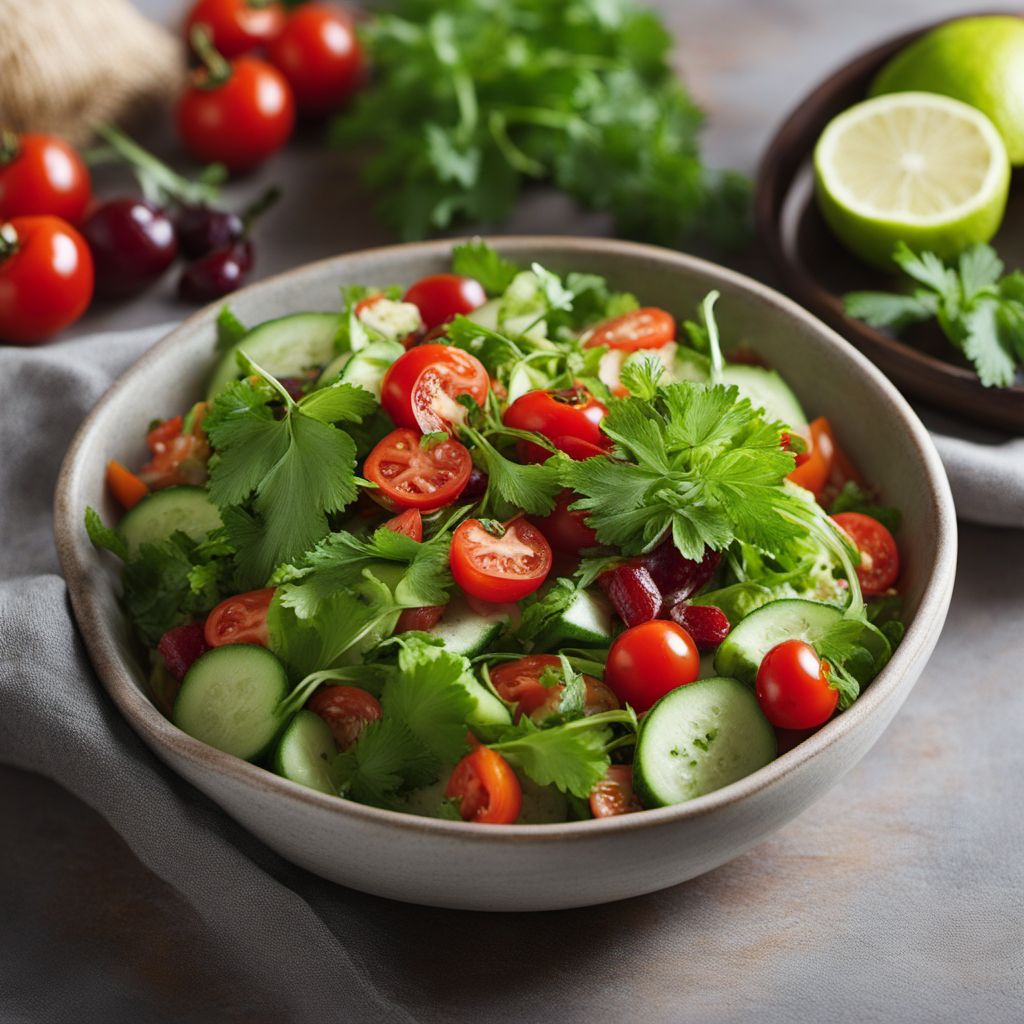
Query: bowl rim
(783, 169)
(75, 551)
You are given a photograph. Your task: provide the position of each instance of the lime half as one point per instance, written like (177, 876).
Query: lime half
(914, 167)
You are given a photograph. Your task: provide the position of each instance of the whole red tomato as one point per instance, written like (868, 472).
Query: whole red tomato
(46, 278)
(235, 112)
(41, 174)
(319, 54)
(237, 26)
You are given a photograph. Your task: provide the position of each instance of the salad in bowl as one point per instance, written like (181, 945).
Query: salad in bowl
(502, 546)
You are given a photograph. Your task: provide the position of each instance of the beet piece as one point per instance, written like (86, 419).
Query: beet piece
(676, 575)
(633, 592)
(181, 646)
(705, 623)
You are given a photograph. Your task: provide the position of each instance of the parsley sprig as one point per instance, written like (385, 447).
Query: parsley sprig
(978, 309)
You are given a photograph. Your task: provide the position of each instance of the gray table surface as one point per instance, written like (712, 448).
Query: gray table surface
(900, 897)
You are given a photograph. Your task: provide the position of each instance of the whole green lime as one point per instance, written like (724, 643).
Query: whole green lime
(977, 60)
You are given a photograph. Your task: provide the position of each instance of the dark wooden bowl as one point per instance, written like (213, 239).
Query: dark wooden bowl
(818, 271)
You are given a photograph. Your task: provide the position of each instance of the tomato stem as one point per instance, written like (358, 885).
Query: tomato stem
(256, 209)
(9, 147)
(218, 68)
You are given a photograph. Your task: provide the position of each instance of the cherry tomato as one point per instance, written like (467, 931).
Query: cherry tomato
(420, 619)
(420, 387)
(647, 661)
(237, 113)
(566, 531)
(566, 413)
(503, 566)
(409, 523)
(649, 327)
(486, 787)
(46, 278)
(518, 682)
(814, 466)
(319, 54)
(346, 709)
(240, 620)
(125, 485)
(879, 556)
(442, 297)
(177, 458)
(41, 174)
(411, 476)
(793, 688)
(614, 793)
(237, 26)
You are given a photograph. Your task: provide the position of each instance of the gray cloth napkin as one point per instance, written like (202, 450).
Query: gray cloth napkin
(305, 950)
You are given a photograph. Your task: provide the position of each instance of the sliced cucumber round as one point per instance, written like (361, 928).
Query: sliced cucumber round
(305, 751)
(467, 632)
(366, 368)
(742, 651)
(229, 700)
(185, 509)
(587, 620)
(285, 347)
(768, 391)
(698, 738)
(332, 369)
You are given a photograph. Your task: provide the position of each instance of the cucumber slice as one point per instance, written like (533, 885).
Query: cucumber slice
(366, 368)
(489, 710)
(332, 369)
(229, 700)
(162, 513)
(286, 347)
(305, 752)
(742, 651)
(467, 632)
(698, 738)
(587, 620)
(487, 314)
(767, 390)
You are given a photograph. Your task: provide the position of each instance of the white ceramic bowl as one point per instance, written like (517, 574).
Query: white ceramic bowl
(540, 867)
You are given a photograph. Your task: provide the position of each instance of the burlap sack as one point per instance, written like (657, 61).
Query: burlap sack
(66, 64)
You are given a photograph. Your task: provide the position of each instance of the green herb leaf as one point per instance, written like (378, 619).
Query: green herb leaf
(478, 260)
(853, 499)
(103, 536)
(230, 330)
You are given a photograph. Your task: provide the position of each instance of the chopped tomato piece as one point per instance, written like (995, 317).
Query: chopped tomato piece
(346, 709)
(649, 327)
(879, 555)
(496, 562)
(486, 787)
(125, 485)
(409, 523)
(410, 476)
(240, 620)
(614, 794)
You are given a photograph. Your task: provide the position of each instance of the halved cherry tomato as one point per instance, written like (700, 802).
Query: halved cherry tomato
(411, 476)
(568, 413)
(442, 297)
(649, 327)
(814, 466)
(566, 531)
(235, 112)
(420, 619)
(409, 523)
(42, 175)
(240, 620)
(125, 485)
(879, 555)
(614, 793)
(346, 709)
(177, 458)
(518, 682)
(504, 565)
(793, 688)
(319, 54)
(648, 660)
(46, 278)
(420, 387)
(486, 787)
(237, 26)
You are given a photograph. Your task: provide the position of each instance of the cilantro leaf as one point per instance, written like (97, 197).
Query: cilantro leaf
(386, 758)
(230, 330)
(427, 694)
(979, 311)
(511, 486)
(275, 480)
(478, 260)
(102, 536)
(856, 651)
(340, 559)
(698, 461)
(338, 402)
